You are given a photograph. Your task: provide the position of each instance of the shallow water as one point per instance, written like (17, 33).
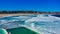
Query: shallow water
(21, 30)
(3, 31)
(43, 23)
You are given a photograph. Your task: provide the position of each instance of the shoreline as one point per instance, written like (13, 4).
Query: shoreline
(6, 15)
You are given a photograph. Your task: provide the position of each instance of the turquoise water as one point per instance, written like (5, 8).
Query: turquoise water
(21, 30)
(41, 23)
(3, 31)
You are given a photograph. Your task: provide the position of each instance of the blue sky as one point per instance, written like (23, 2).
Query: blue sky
(35, 5)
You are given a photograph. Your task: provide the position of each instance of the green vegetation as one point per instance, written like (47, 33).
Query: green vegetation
(15, 12)
(21, 30)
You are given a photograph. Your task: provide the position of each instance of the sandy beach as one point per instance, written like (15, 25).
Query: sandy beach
(4, 15)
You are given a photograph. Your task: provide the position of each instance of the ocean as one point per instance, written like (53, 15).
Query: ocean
(31, 24)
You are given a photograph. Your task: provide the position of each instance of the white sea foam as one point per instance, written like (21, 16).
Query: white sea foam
(44, 24)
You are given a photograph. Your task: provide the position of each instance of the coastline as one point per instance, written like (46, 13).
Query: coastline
(6, 15)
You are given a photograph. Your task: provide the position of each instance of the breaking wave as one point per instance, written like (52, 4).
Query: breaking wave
(42, 23)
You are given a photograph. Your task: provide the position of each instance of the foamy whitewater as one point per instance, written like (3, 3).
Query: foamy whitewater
(41, 23)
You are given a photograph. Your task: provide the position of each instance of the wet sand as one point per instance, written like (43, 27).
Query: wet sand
(3, 15)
